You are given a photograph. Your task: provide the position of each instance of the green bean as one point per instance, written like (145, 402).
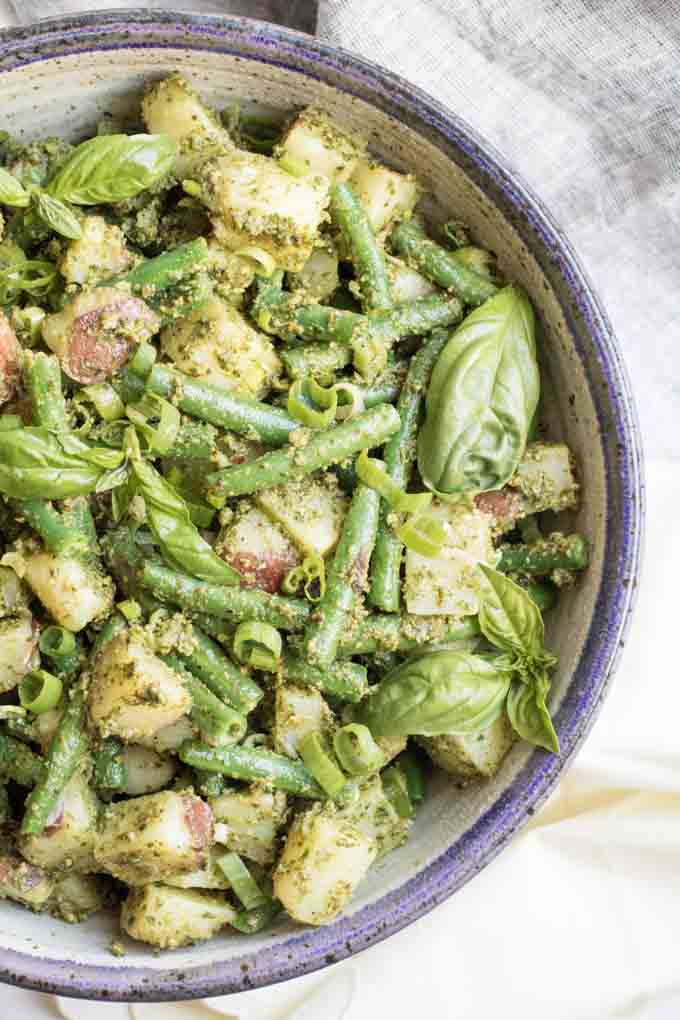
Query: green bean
(77, 515)
(67, 750)
(209, 784)
(19, 763)
(212, 404)
(557, 552)
(439, 265)
(164, 271)
(115, 624)
(59, 537)
(366, 255)
(399, 456)
(233, 685)
(318, 361)
(345, 681)
(253, 765)
(196, 440)
(227, 603)
(545, 594)
(219, 724)
(110, 771)
(390, 632)
(43, 382)
(322, 449)
(346, 578)
(62, 647)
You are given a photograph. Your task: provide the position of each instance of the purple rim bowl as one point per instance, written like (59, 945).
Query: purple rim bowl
(614, 437)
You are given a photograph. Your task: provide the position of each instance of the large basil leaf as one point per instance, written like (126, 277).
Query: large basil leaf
(111, 168)
(529, 715)
(481, 399)
(35, 462)
(508, 617)
(12, 192)
(443, 692)
(58, 216)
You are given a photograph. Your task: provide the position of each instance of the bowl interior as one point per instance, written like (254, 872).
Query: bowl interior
(102, 67)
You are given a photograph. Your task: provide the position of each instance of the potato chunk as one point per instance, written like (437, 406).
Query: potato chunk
(133, 694)
(172, 107)
(97, 256)
(148, 838)
(255, 547)
(76, 897)
(216, 344)
(322, 145)
(67, 841)
(75, 592)
(448, 584)
(18, 649)
(26, 883)
(298, 711)
(169, 918)
(324, 860)
(147, 771)
(247, 821)
(310, 511)
(257, 203)
(471, 755)
(387, 196)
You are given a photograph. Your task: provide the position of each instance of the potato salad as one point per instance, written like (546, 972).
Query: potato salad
(277, 518)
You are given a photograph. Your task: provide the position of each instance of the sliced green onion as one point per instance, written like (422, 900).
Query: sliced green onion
(413, 774)
(294, 166)
(252, 921)
(131, 446)
(9, 422)
(159, 437)
(192, 188)
(372, 473)
(144, 360)
(61, 646)
(309, 575)
(369, 354)
(258, 645)
(40, 691)
(396, 791)
(130, 609)
(316, 757)
(263, 258)
(350, 400)
(303, 395)
(357, 751)
(241, 881)
(107, 403)
(423, 534)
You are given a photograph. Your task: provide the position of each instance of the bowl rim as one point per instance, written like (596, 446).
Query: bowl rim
(310, 950)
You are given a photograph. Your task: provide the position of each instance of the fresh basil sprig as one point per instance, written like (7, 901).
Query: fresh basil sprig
(36, 462)
(12, 192)
(57, 216)
(111, 168)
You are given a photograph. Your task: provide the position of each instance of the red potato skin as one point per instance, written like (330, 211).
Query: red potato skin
(10, 360)
(504, 505)
(267, 573)
(101, 340)
(199, 820)
(15, 871)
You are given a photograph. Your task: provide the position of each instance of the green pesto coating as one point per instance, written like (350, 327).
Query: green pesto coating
(253, 764)
(346, 681)
(557, 552)
(164, 271)
(233, 685)
(365, 253)
(399, 456)
(43, 382)
(19, 763)
(77, 515)
(321, 449)
(59, 538)
(67, 751)
(219, 724)
(319, 361)
(390, 632)
(110, 771)
(115, 624)
(228, 603)
(346, 579)
(196, 440)
(213, 404)
(410, 241)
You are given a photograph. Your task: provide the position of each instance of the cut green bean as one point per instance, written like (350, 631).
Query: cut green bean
(219, 724)
(390, 632)
(115, 624)
(233, 685)
(322, 449)
(557, 552)
(410, 241)
(365, 253)
(320, 361)
(59, 537)
(346, 681)
(110, 771)
(253, 765)
(163, 272)
(43, 382)
(19, 763)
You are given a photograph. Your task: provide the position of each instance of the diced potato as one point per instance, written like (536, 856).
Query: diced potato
(24, 882)
(67, 841)
(298, 711)
(147, 771)
(209, 876)
(148, 838)
(324, 860)
(322, 145)
(387, 196)
(133, 694)
(76, 897)
(471, 755)
(448, 584)
(172, 107)
(545, 477)
(374, 816)
(407, 284)
(216, 344)
(318, 279)
(75, 592)
(134, 320)
(169, 918)
(247, 821)
(231, 274)
(18, 649)
(170, 738)
(14, 595)
(254, 546)
(46, 724)
(257, 204)
(97, 256)
(310, 511)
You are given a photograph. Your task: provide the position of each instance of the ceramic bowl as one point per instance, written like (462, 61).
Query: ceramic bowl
(58, 78)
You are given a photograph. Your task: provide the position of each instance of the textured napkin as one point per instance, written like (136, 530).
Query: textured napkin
(578, 919)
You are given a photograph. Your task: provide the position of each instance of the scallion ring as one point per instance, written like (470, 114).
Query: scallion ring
(258, 645)
(305, 396)
(357, 751)
(372, 473)
(143, 360)
(264, 259)
(315, 755)
(40, 691)
(350, 400)
(241, 881)
(61, 646)
(423, 534)
(396, 791)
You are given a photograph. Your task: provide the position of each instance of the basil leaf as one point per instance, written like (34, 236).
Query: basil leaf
(158, 493)
(443, 692)
(35, 462)
(529, 715)
(508, 616)
(481, 398)
(101, 456)
(184, 548)
(47, 482)
(57, 216)
(111, 168)
(12, 192)
(113, 479)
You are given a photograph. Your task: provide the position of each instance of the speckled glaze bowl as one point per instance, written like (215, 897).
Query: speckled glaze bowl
(57, 78)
